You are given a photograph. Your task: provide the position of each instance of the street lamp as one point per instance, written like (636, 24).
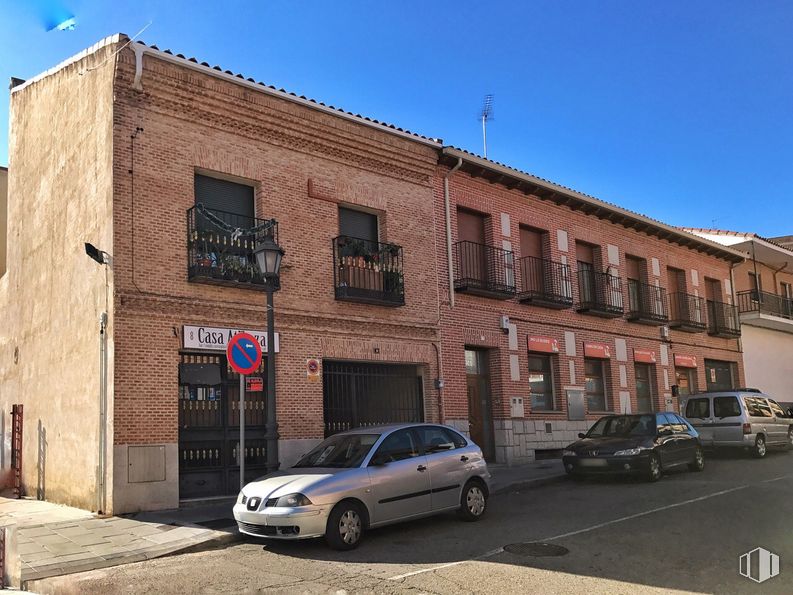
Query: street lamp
(268, 257)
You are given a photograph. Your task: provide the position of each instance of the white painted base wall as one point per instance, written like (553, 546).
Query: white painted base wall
(768, 361)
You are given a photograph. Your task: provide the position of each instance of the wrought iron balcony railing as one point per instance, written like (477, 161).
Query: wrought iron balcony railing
(545, 283)
(723, 320)
(599, 294)
(220, 247)
(765, 303)
(368, 272)
(646, 303)
(687, 312)
(484, 270)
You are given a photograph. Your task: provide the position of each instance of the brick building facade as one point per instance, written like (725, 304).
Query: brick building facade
(173, 167)
(591, 305)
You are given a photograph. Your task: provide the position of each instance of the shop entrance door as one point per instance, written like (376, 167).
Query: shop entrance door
(209, 424)
(719, 375)
(480, 413)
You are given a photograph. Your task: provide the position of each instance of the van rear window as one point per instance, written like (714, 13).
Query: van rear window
(757, 407)
(698, 408)
(726, 407)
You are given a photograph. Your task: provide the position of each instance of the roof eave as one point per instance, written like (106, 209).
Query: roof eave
(589, 205)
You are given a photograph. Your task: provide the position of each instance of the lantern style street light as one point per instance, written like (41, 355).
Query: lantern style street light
(268, 257)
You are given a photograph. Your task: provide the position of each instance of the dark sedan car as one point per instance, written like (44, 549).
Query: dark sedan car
(645, 444)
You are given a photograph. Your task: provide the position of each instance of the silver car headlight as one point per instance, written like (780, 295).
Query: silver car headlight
(292, 501)
(630, 452)
(569, 453)
(242, 498)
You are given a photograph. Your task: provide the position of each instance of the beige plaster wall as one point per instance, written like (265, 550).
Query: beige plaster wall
(60, 161)
(768, 361)
(3, 217)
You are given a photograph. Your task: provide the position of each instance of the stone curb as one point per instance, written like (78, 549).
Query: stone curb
(529, 483)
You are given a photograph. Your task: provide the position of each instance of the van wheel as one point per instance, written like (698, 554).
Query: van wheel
(699, 461)
(759, 447)
(654, 468)
(344, 530)
(473, 502)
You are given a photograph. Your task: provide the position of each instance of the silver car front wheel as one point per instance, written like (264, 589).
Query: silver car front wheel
(345, 526)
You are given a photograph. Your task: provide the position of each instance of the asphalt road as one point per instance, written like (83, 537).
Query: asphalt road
(684, 533)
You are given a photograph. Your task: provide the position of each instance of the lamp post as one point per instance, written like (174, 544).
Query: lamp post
(268, 258)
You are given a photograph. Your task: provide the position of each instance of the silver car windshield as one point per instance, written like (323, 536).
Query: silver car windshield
(340, 451)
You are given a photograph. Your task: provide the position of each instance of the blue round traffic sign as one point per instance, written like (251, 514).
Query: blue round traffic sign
(244, 353)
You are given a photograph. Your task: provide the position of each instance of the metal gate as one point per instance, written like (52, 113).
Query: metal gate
(362, 394)
(209, 424)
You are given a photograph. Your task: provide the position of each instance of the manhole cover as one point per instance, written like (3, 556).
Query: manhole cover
(536, 549)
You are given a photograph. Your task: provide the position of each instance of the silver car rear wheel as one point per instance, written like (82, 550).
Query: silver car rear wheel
(473, 501)
(759, 447)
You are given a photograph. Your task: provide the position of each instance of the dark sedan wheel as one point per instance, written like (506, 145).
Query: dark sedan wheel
(699, 460)
(344, 530)
(473, 501)
(760, 448)
(653, 468)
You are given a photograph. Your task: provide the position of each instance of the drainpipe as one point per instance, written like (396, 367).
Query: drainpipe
(449, 228)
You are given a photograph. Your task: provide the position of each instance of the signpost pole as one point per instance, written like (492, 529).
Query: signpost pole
(242, 431)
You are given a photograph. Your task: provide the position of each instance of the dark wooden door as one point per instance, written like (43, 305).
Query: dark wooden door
(209, 428)
(480, 415)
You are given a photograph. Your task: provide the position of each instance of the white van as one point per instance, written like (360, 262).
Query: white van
(743, 418)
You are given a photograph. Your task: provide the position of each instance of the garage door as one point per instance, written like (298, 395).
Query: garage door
(363, 394)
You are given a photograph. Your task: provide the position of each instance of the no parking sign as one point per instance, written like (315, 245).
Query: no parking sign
(244, 353)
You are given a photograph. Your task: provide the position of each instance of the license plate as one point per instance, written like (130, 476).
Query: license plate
(593, 462)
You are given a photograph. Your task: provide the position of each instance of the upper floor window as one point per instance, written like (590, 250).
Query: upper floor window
(222, 195)
(358, 224)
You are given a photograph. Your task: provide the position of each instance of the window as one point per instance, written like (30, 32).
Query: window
(358, 224)
(726, 407)
(398, 446)
(341, 451)
(757, 407)
(435, 439)
(662, 424)
(221, 195)
(623, 425)
(699, 408)
(541, 382)
(778, 411)
(756, 285)
(595, 388)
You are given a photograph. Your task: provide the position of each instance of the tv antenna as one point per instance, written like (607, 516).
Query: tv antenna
(486, 116)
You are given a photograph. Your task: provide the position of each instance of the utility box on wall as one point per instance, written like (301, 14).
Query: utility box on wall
(517, 407)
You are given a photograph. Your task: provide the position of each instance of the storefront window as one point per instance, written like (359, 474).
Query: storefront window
(686, 381)
(595, 387)
(541, 382)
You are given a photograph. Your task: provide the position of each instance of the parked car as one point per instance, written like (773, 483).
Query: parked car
(644, 444)
(747, 419)
(366, 478)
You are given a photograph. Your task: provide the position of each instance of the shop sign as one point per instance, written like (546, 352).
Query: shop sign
(312, 369)
(599, 350)
(644, 356)
(685, 361)
(254, 384)
(543, 344)
(210, 338)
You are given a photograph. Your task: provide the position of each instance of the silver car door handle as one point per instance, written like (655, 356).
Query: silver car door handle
(464, 458)
(421, 468)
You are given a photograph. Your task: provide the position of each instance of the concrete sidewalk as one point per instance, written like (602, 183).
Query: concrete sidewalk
(53, 540)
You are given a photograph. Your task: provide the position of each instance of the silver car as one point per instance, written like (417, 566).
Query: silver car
(743, 418)
(367, 478)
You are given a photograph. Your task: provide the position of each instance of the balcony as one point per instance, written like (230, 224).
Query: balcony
(220, 247)
(723, 320)
(599, 294)
(368, 272)
(484, 270)
(686, 312)
(646, 304)
(545, 283)
(767, 310)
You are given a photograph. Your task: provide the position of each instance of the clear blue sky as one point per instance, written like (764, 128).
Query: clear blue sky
(680, 110)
